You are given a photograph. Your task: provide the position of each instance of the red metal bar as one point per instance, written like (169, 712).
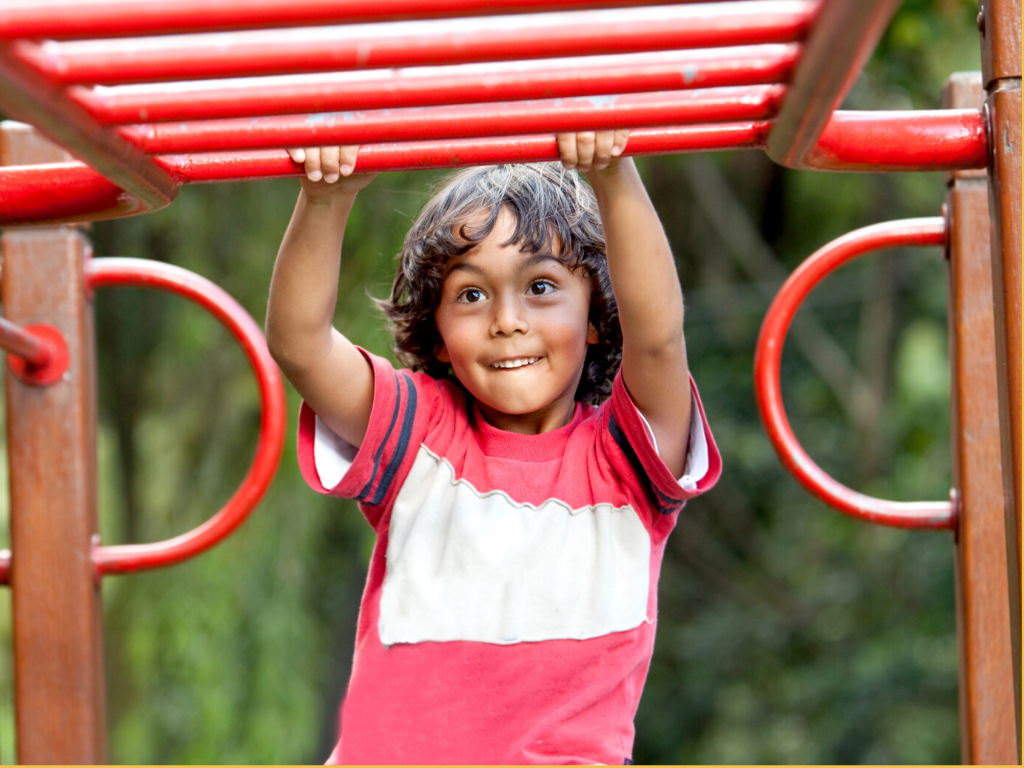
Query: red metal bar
(19, 342)
(427, 86)
(464, 121)
(768, 391)
(214, 167)
(129, 558)
(64, 192)
(33, 194)
(27, 96)
(61, 193)
(919, 140)
(844, 36)
(56, 19)
(406, 44)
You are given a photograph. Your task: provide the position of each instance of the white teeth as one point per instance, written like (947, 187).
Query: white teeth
(517, 363)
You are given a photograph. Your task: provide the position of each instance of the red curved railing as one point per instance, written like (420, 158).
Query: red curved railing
(929, 514)
(143, 273)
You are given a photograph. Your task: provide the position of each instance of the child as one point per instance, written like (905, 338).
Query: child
(510, 605)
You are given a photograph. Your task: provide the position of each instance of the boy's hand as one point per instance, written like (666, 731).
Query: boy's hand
(326, 166)
(588, 151)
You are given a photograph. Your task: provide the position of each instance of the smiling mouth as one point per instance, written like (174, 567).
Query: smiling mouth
(517, 362)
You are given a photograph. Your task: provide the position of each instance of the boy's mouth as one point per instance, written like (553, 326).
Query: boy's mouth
(515, 362)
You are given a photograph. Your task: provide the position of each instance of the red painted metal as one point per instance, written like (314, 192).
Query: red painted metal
(56, 19)
(150, 274)
(465, 152)
(712, 105)
(919, 140)
(768, 391)
(406, 44)
(50, 359)
(426, 86)
(22, 343)
(63, 192)
(27, 96)
(844, 36)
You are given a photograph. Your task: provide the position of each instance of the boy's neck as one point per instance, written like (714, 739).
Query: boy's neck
(554, 416)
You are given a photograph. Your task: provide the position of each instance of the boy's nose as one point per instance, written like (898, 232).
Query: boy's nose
(509, 317)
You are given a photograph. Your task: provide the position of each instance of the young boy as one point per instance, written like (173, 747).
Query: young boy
(511, 600)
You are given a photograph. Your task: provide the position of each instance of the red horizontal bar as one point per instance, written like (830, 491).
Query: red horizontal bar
(61, 193)
(405, 44)
(75, 192)
(21, 343)
(425, 86)
(472, 120)
(768, 390)
(68, 192)
(933, 140)
(411, 156)
(56, 19)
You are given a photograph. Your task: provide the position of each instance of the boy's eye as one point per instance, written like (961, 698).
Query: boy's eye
(541, 288)
(471, 295)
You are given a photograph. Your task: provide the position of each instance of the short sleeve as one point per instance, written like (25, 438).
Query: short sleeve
(635, 439)
(372, 471)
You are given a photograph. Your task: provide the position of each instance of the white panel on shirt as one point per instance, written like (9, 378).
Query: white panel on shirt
(465, 565)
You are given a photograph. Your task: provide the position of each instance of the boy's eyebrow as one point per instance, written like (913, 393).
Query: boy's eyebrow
(533, 260)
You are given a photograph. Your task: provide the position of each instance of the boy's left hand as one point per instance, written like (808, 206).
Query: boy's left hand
(588, 151)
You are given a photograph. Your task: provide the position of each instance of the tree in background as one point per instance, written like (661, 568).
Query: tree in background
(788, 633)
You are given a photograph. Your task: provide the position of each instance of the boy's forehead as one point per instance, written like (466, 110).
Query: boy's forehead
(504, 230)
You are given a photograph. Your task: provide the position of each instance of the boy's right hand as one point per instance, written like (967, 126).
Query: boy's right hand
(326, 166)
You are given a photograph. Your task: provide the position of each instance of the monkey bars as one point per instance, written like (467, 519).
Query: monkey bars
(160, 93)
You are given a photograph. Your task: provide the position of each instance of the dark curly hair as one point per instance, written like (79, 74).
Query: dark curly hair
(551, 207)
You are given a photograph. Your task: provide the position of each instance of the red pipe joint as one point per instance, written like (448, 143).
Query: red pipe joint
(768, 391)
(38, 354)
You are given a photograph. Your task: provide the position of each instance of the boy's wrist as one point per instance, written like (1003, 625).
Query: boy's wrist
(329, 198)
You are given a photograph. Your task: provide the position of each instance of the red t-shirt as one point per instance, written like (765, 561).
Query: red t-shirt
(511, 601)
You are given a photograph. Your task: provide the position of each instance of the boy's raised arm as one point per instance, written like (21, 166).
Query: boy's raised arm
(646, 286)
(328, 371)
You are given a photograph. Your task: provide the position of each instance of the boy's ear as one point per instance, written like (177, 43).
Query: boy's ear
(591, 333)
(441, 353)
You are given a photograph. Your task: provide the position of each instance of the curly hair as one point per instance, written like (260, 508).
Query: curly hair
(553, 211)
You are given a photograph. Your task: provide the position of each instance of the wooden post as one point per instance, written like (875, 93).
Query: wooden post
(999, 22)
(51, 439)
(982, 603)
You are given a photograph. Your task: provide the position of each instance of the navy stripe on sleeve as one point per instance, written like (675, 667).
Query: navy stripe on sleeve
(380, 448)
(664, 504)
(403, 443)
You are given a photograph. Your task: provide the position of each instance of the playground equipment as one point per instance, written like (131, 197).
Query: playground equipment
(149, 95)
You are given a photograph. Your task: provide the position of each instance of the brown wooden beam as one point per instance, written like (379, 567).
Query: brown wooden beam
(982, 602)
(51, 440)
(999, 22)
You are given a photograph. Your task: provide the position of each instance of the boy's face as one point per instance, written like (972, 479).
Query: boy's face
(515, 328)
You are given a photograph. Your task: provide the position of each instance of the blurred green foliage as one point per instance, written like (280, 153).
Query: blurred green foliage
(788, 633)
